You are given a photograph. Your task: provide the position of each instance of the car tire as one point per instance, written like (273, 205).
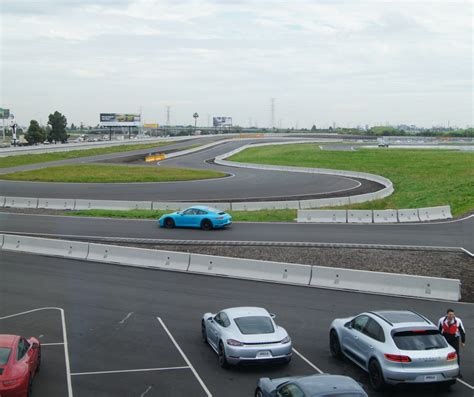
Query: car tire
(376, 376)
(221, 356)
(334, 344)
(203, 332)
(206, 224)
(169, 223)
(258, 392)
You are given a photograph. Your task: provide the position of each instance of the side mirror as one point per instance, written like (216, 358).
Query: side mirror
(348, 325)
(211, 319)
(272, 315)
(35, 345)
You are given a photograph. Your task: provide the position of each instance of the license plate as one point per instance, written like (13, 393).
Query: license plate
(430, 378)
(264, 354)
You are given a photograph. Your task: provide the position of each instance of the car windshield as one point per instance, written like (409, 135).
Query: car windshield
(4, 355)
(255, 325)
(419, 340)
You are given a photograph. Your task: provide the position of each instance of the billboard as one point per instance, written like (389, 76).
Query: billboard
(120, 119)
(4, 113)
(222, 121)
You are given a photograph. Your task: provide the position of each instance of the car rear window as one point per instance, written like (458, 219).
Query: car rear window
(255, 325)
(4, 355)
(419, 340)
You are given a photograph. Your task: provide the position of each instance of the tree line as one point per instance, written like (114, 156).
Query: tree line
(54, 132)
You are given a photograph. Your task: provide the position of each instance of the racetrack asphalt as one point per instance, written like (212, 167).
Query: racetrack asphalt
(111, 317)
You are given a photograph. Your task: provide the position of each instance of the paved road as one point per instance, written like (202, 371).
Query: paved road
(443, 234)
(244, 184)
(117, 346)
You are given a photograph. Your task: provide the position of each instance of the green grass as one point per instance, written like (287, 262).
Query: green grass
(237, 216)
(422, 178)
(98, 173)
(24, 159)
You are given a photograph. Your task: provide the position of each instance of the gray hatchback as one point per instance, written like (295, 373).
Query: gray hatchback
(395, 347)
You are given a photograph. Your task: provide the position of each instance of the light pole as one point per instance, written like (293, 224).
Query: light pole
(195, 115)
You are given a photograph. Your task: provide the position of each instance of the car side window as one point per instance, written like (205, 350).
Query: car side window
(190, 211)
(219, 320)
(201, 212)
(374, 330)
(23, 347)
(290, 390)
(360, 322)
(225, 320)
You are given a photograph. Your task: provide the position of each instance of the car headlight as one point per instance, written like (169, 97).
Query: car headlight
(286, 340)
(234, 342)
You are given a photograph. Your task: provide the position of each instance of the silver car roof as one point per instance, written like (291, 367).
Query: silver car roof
(395, 318)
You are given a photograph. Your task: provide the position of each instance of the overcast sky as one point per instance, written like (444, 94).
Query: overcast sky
(350, 62)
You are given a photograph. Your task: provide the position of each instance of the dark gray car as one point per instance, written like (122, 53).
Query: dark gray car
(309, 386)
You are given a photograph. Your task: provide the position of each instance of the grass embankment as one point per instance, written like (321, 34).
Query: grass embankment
(104, 173)
(422, 178)
(25, 159)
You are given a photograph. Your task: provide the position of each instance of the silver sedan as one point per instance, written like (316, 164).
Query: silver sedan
(246, 335)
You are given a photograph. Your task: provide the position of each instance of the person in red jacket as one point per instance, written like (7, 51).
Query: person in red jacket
(452, 328)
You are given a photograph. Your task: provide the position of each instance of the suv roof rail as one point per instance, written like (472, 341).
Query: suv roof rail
(382, 317)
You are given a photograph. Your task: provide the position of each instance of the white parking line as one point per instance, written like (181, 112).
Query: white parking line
(128, 370)
(307, 361)
(465, 384)
(208, 393)
(52, 344)
(66, 350)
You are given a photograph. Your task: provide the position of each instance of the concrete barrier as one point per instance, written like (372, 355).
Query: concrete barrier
(264, 205)
(326, 202)
(435, 213)
(138, 257)
(56, 204)
(385, 216)
(2, 201)
(21, 202)
(250, 269)
(408, 215)
(112, 205)
(43, 246)
(1, 240)
(169, 206)
(386, 283)
(359, 216)
(322, 216)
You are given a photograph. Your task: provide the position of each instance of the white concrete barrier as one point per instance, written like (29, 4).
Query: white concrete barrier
(56, 204)
(264, 205)
(43, 246)
(408, 215)
(322, 216)
(326, 202)
(2, 201)
(21, 202)
(112, 205)
(250, 269)
(162, 205)
(435, 213)
(138, 257)
(1, 240)
(359, 216)
(385, 216)
(386, 283)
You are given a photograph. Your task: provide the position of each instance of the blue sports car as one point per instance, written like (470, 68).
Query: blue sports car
(206, 218)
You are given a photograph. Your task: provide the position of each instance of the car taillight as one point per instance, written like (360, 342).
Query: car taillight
(286, 340)
(452, 356)
(234, 342)
(397, 358)
(11, 382)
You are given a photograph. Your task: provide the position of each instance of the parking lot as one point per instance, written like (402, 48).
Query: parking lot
(136, 332)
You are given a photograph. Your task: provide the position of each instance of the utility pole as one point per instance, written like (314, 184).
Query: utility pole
(195, 115)
(168, 116)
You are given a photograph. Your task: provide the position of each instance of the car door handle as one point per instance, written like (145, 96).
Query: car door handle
(371, 347)
(356, 337)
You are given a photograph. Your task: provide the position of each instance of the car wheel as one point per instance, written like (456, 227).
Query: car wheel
(258, 392)
(376, 376)
(206, 224)
(203, 332)
(169, 223)
(221, 356)
(39, 360)
(334, 345)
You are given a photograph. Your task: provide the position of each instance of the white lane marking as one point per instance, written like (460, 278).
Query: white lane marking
(146, 391)
(203, 385)
(465, 384)
(467, 252)
(65, 343)
(125, 318)
(52, 344)
(121, 371)
(307, 361)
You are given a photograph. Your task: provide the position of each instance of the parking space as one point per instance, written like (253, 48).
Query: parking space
(137, 332)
